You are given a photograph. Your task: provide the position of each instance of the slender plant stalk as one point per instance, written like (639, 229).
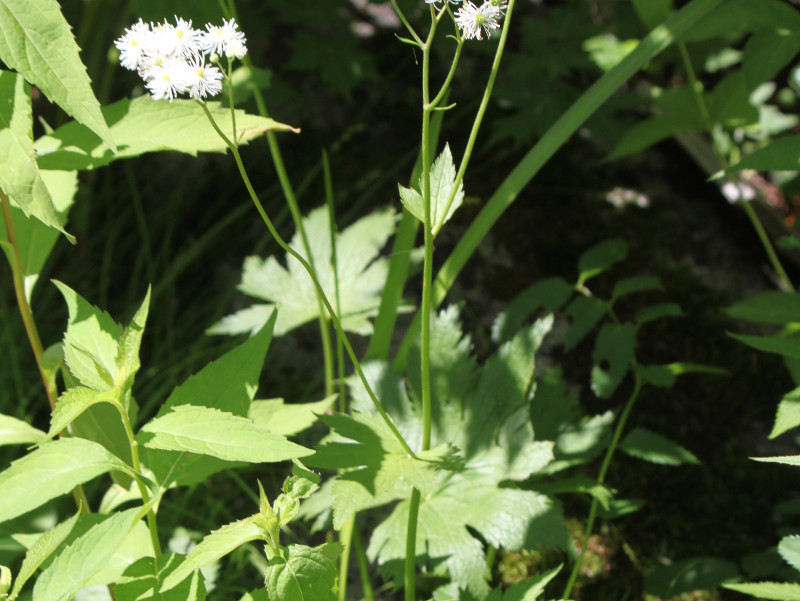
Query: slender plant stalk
(346, 540)
(22, 301)
(152, 526)
(425, 308)
(310, 270)
(326, 169)
(363, 568)
(294, 209)
(697, 91)
(637, 387)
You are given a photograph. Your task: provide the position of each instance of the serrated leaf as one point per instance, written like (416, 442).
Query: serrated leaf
(779, 591)
(443, 175)
(20, 177)
(90, 342)
(302, 574)
(16, 431)
(80, 563)
(768, 307)
(789, 549)
(647, 445)
(384, 471)
(74, 402)
(216, 545)
(585, 313)
(228, 384)
(144, 125)
(287, 419)
(782, 154)
(531, 588)
(788, 416)
(141, 581)
(362, 276)
(40, 551)
(207, 431)
(52, 470)
(127, 361)
(788, 347)
(612, 356)
(601, 257)
(551, 294)
(784, 459)
(635, 284)
(655, 312)
(37, 42)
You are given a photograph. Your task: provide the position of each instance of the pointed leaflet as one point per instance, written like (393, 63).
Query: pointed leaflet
(653, 447)
(600, 258)
(788, 414)
(90, 342)
(141, 581)
(40, 551)
(443, 175)
(35, 240)
(207, 431)
(16, 431)
(362, 276)
(768, 307)
(145, 125)
(228, 384)
(780, 591)
(50, 471)
(789, 549)
(78, 565)
(287, 419)
(74, 402)
(36, 41)
(788, 346)
(304, 573)
(127, 361)
(214, 546)
(20, 178)
(612, 356)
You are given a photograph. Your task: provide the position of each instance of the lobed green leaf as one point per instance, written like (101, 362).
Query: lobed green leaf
(304, 573)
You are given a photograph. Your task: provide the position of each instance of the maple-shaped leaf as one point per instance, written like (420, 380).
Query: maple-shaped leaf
(484, 411)
(380, 469)
(362, 275)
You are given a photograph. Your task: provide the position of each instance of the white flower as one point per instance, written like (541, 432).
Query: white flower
(169, 78)
(179, 39)
(204, 81)
(472, 20)
(226, 40)
(134, 44)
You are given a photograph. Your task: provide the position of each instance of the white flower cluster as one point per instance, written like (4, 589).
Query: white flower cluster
(171, 59)
(475, 20)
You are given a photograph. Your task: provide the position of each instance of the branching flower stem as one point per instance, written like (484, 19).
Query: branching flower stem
(487, 94)
(623, 419)
(310, 270)
(22, 301)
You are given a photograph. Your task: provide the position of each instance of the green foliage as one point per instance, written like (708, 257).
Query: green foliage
(360, 274)
(302, 573)
(653, 447)
(443, 178)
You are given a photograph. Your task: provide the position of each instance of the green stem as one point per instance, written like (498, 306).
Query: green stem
(637, 387)
(346, 539)
(22, 300)
(294, 209)
(363, 568)
(137, 468)
(425, 308)
(405, 22)
(326, 169)
(289, 250)
(697, 91)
